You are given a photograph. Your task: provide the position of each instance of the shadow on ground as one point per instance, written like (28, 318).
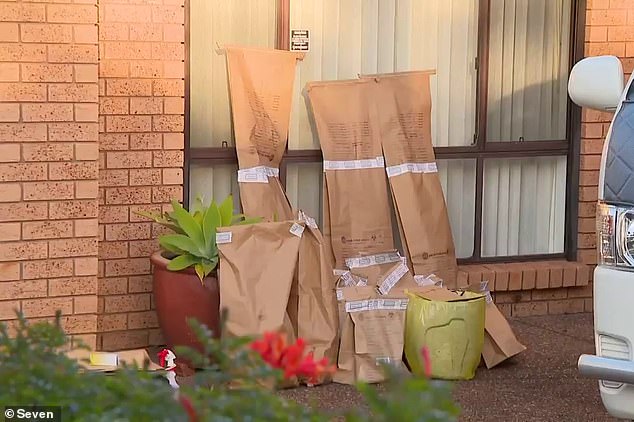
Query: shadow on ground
(542, 384)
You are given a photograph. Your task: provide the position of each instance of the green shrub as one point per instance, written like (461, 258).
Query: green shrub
(34, 372)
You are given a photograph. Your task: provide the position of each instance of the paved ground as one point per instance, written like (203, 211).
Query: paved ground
(541, 384)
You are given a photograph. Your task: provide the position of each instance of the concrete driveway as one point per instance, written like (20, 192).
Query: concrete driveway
(541, 384)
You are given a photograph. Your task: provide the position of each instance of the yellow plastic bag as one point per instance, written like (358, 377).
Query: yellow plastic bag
(451, 326)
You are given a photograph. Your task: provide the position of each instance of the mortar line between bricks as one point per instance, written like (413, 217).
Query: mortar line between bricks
(518, 320)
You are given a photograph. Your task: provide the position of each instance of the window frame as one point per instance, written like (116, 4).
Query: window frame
(479, 150)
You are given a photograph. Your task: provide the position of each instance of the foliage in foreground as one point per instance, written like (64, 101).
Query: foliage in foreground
(233, 386)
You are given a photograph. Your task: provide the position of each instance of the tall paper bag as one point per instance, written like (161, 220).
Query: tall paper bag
(261, 87)
(358, 207)
(403, 110)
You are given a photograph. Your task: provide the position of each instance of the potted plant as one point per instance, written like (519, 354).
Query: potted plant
(185, 280)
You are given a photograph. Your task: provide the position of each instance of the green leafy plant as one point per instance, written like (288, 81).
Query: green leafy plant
(193, 243)
(33, 370)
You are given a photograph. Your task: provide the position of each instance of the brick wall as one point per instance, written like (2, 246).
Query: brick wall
(141, 107)
(48, 162)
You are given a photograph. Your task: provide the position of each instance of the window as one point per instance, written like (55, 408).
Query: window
(502, 123)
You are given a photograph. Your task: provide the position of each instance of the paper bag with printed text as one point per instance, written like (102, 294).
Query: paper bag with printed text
(261, 86)
(358, 208)
(403, 111)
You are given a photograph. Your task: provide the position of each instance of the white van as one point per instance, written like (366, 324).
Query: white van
(597, 83)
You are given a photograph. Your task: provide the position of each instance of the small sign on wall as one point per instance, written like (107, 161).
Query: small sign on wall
(300, 40)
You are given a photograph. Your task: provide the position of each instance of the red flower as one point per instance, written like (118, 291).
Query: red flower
(292, 359)
(189, 408)
(426, 361)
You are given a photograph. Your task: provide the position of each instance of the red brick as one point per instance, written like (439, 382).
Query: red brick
(21, 251)
(72, 247)
(113, 141)
(120, 267)
(22, 171)
(72, 286)
(74, 132)
(9, 72)
(47, 229)
(8, 310)
(145, 177)
(113, 69)
(10, 231)
(47, 152)
(85, 34)
(73, 93)
(173, 69)
(113, 250)
(128, 231)
(111, 31)
(140, 284)
(38, 191)
(174, 105)
(568, 306)
(145, 141)
(9, 271)
(47, 112)
(169, 88)
(173, 141)
(85, 305)
(113, 214)
(22, 12)
(168, 193)
(146, 319)
(9, 152)
(47, 269)
(128, 160)
(529, 308)
(128, 87)
(9, 32)
(173, 33)
(9, 112)
(79, 324)
(73, 209)
(47, 307)
(126, 13)
(46, 33)
(606, 17)
(22, 92)
(168, 158)
(124, 340)
(73, 171)
(143, 248)
(156, 338)
(85, 266)
(135, 195)
(168, 123)
(583, 275)
(23, 211)
(86, 227)
(112, 322)
(86, 72)
(147, 69)
(113, 105)
(588, 193)
(146, 105)
(109, 178)
(67, 13)
(143, 208)
(168, 51)
(125, 50)
(77, 53)
(146, 31)
(23, 289)
(168, 14)
(172, 176)
(128, 123)
(23, 53)
(86, 112)
(127, 303)
(87, 151)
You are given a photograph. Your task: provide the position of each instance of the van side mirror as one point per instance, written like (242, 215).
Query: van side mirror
(597, 83)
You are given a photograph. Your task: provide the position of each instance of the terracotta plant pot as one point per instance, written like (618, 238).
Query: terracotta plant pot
(178, 296)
